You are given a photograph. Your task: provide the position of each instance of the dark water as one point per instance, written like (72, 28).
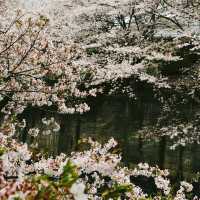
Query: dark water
(122, 119)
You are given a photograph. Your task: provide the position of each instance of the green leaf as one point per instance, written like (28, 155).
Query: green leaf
(2, 150)
(69, 175)
(116, 191)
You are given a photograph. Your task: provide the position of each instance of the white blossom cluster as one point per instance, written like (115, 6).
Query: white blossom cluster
(160, 176)
(184, 188)
(93, 166)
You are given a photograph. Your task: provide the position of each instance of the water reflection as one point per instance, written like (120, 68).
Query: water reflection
(122, 119)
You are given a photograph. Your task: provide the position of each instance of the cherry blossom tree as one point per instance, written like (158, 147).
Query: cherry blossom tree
(60, 53)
